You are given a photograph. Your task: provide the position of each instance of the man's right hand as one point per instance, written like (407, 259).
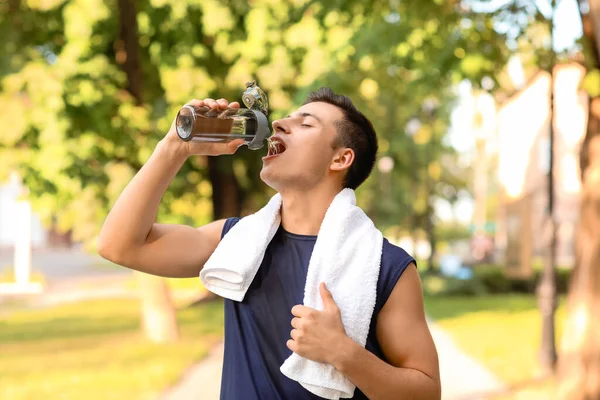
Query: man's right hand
(204, 148)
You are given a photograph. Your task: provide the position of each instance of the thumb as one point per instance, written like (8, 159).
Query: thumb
(328, 301)
(234, 145)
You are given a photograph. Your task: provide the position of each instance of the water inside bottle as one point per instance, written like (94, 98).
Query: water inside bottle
(207, 125)
(270, 145)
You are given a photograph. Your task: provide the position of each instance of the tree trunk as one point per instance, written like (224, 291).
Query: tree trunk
(431, 238)
(546, 288)
(226, 196)
(127, 48)
(159, 322)
(480, 188)
(579, 362)
(14, 6)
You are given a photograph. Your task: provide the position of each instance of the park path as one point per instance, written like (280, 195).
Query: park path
(59, 266)
(70, 276)
(463, 378)
(201, 381)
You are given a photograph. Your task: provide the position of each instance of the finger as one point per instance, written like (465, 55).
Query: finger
(212, 113)
(202, 110)
(294, 334)
(234, 105)
(301, 311)
(216, 149)
(228, 112)
(291, 345)
(195, 103)
(222, 103)
(296, 322)
(234, 145)
(327, 297)
(211, 103)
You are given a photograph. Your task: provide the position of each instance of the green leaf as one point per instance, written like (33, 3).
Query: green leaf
(591, 83)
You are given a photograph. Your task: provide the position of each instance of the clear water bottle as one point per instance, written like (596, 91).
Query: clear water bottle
(204, 124)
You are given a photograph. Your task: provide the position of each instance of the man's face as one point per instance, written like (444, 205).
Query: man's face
(303, 148)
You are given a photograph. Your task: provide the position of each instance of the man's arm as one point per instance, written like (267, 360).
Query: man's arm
(131, 237)
(402, 331)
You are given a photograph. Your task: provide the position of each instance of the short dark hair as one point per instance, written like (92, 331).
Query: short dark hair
(355, 131)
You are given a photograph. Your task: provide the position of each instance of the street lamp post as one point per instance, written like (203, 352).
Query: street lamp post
(546, 289)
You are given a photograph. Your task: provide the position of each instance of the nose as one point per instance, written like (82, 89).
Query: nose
(279, 126)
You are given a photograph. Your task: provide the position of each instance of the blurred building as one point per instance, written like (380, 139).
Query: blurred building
(523, 165)
(12, 214)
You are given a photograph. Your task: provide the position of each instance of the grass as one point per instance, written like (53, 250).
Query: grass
(502, 332)
(95, 350)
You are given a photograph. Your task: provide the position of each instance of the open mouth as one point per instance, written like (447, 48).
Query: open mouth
(276, 147)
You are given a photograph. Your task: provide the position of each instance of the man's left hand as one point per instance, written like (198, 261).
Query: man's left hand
(318, 335)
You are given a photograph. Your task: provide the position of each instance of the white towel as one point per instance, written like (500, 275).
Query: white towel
(231, 268)
(346, 256)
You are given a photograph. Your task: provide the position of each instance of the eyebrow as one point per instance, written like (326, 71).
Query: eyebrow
(306, 114)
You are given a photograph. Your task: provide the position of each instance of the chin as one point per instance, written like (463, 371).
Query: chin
(274, 178)
(267, 177)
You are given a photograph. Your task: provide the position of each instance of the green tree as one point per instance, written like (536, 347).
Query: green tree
(89, 87)
(81, 125)
(401, 68)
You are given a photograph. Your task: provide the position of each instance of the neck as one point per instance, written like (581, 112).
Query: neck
(303, 211)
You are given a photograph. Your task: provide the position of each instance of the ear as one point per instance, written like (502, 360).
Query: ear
(342, 159)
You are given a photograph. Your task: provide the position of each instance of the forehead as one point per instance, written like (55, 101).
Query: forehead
(325, 112)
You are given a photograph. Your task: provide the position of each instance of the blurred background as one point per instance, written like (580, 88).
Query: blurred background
(488, 119)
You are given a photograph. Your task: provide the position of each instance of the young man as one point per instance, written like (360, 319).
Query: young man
(324, 146)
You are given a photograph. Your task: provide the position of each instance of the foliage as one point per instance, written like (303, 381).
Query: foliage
(93, 350)
(493, 278)
(591, 83)
(490, 279)
(77, 134)
(435, 285)
(452, 231)
(401, 72)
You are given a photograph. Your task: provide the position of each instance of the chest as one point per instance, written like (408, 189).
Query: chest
(279, 282)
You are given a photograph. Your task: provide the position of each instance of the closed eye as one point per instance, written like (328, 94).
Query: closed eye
(306, 125)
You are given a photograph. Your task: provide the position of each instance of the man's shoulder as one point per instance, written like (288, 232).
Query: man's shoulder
(394, 261)
(395, 255)
(229, 223)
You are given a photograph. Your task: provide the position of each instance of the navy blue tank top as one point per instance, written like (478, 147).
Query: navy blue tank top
(257, 329)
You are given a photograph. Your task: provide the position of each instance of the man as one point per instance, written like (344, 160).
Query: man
(323, 147)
